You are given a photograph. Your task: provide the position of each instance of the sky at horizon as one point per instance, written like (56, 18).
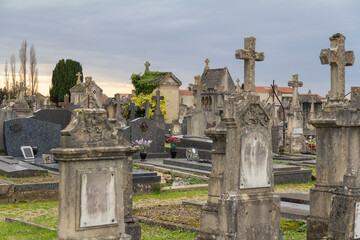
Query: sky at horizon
(113, 39)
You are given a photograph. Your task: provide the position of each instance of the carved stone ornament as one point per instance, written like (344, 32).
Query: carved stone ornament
(144, 127)
(255, 115)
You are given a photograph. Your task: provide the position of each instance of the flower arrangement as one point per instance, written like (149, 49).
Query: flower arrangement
(144, 144)
(173, 141)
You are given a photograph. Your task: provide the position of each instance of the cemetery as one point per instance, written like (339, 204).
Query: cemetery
(232, 165)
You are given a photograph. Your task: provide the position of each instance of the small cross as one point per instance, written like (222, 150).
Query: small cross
(295, 84)
(132, 108)
(22, 90)
(207, 64)
(147, 107)
(157, 98)
(237, 83)
(78, 78)
(66, 104)
(250, 56)
(119, 112)
(338, 58)
(147, 66)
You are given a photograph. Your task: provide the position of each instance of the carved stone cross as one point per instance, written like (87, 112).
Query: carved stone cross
(250, 56)
(22, 90)
(78, 78)
(147, 107)
(158, 98)
(312, 107)
(147, 66)
(295, 84)
(119, 112)
(338, 58)
(66, 104)
(132, 108)
(207, 64)
(237, 84)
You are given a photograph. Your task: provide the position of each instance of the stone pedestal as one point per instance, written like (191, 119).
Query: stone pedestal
(95, 178)
(209, 213)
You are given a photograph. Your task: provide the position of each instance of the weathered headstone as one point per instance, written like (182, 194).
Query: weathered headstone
(147, 107)
(58, 116)
(21, 107)
(5, 114)
(13, 168)
(336, 148)
(30, 132)
(66, 104)
(132, 108)
(295, 123)
(95, 188)
(120, 121)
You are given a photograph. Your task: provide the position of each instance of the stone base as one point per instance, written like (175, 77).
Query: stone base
(133, 229)
(208, 223)
(249, 216)
(317, 228)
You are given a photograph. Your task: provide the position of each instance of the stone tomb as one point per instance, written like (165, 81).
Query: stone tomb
(95, 188)
(30, 132)
(58, 116)
(5, 114)
(14, 168)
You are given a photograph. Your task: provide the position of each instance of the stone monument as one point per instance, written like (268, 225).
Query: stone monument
(95, 187)
(336, 148)
(242, 172)
(120, 121)
(295, 137)
(21, 107)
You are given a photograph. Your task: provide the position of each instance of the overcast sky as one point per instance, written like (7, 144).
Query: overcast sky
(113, 39)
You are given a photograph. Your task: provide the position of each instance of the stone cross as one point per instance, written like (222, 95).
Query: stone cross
(157, 98)
(22, 90)
(338, 58)
(119, 112)
(207, 64)
(66, 104)
(250, 56)
(147, 106)
(312, 108)
(78, 78)
(147, 66)
(295, 84)
(132, 108)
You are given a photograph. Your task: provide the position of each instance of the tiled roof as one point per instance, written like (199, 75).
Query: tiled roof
(266, 89)
(186, 92)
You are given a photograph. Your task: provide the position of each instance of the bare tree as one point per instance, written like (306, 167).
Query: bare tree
(6, 78)
(23, 60)
(33, 70)
(13, 72)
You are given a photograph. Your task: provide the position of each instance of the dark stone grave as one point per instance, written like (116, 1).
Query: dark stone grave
(59, 116)
(30, 132)
(192, 154)
(5, 114)
(14, 168)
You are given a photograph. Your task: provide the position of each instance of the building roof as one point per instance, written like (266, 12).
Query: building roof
(214, 78)
(165, 75)
(186, 92)
(307, 98)
(262, 89)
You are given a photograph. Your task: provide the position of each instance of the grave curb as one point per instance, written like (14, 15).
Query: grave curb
(185, 188)
(13, 220)
(168, 225)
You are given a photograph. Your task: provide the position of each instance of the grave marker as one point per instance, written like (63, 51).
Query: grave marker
(147, 106)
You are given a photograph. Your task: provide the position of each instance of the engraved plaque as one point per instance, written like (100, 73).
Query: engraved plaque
(97, 199)
(298, 131)
(255, 157)
(357, 221)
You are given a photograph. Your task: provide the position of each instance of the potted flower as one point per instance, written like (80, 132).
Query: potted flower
(144, 144)
(173, 141)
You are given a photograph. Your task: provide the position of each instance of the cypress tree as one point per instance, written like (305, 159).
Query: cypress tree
(64, 78)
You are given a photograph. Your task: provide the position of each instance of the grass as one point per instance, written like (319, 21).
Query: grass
(38, 179)
(300, 187)
(293, 229)
(20, 231)
(171, 195)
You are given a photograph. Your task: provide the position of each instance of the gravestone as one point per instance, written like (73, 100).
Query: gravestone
(30, 132)
(57, 116)
(132, 109)
(95, 187)
(14, 168)
(120, 121)
(5, 114)
(147, 106)
(247, 207)
(336, 147)
(66, 104)
(295, 120)
(21, 107)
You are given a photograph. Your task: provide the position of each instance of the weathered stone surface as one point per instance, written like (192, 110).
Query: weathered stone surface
(13, 168)
(91, 146)
(57, 116)
(5, 114)
(30, 132)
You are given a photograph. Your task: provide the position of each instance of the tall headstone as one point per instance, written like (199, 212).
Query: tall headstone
(336, 139)
(147, 106)
(120, 121)
(95, 178)
(66, 104)
(296, 140)
(247, 207)
(132, 109)
(196, 122)
(338, 58)
(249, 55)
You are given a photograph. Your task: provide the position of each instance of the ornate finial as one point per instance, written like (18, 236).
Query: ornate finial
(237, 83)
(207, 64)
(78, 79)
(88, 80)
(147, 66)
